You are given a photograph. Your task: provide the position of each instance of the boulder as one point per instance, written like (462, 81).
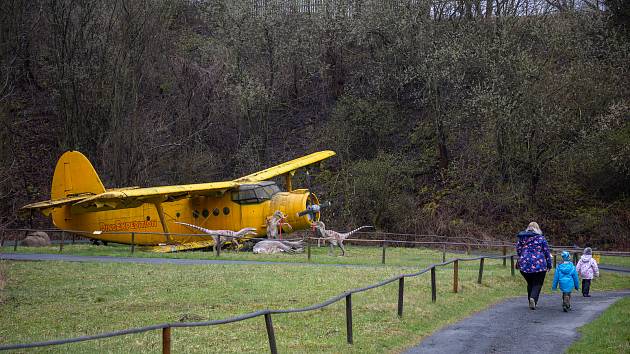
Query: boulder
(40, 234)
(36, 239)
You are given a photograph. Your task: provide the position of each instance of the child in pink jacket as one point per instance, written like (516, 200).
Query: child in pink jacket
(587, 269)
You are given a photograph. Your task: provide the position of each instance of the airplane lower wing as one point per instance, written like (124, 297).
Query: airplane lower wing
(181, 247)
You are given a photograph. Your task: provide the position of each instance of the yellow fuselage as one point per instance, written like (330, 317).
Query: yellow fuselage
(211, 212)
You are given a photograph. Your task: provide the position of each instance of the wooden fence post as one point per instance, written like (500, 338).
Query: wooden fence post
(401, 290)
(512, 265)
(444, 253)
(133, 242)
(63, 236)
(166, 340)
(468, 248)
(270, 334)
(555, 260)
(480, 270)
(73, 238)
(16, 240)
(217, 245)
(2, 238)
(308, 247)
(384, 247)
(433, 287)
(349, 318)
(504, 254)
(455, 275)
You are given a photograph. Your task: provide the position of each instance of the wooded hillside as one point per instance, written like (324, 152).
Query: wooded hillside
(448, 117)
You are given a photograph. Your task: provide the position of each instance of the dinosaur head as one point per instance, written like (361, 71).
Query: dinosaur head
(319, 227)
(248, 231)
(276, 217)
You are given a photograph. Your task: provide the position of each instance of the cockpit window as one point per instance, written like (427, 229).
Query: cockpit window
(254, 193)
(272, 189)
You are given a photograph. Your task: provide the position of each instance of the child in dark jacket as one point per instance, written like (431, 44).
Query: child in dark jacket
(567, 277)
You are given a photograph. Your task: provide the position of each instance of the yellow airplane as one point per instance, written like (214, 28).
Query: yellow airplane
(79, 202)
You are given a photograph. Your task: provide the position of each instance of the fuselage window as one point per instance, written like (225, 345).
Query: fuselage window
(205, 213)
(226, 210)
(195, 214)
(215, 212)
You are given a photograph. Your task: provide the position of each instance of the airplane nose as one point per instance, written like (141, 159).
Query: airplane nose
(301, 207)
(313, 208)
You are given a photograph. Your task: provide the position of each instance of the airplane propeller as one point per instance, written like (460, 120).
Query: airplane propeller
(312, 209)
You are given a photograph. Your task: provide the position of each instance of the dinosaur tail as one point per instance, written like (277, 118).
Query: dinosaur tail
(348, 234)
(195, 227)
(223, 233)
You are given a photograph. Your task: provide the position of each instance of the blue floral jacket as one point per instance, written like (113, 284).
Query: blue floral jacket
(533, 252)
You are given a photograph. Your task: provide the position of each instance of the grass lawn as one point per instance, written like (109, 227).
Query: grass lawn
(363, 255)
(52, 300)
(610, 333)
(616, 261)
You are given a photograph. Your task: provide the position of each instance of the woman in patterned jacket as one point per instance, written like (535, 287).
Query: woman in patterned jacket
(534, 260)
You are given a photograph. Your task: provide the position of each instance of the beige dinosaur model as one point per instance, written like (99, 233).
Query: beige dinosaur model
(277, 246)
(229, 235)
(275, 222)
(335, 238)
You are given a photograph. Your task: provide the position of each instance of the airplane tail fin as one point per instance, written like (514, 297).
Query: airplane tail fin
(74, 175)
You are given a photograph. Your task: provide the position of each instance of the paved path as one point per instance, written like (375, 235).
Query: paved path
(109, 259)
(511, 327)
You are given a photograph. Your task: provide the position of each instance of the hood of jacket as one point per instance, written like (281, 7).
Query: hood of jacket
(565, 268)
(586, 258)
(528, 236)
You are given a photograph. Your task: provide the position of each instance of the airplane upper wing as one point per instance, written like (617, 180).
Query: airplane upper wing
(134, 197)
(286, 167)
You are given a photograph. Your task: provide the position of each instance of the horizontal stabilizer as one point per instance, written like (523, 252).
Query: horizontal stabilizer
(47, 206)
